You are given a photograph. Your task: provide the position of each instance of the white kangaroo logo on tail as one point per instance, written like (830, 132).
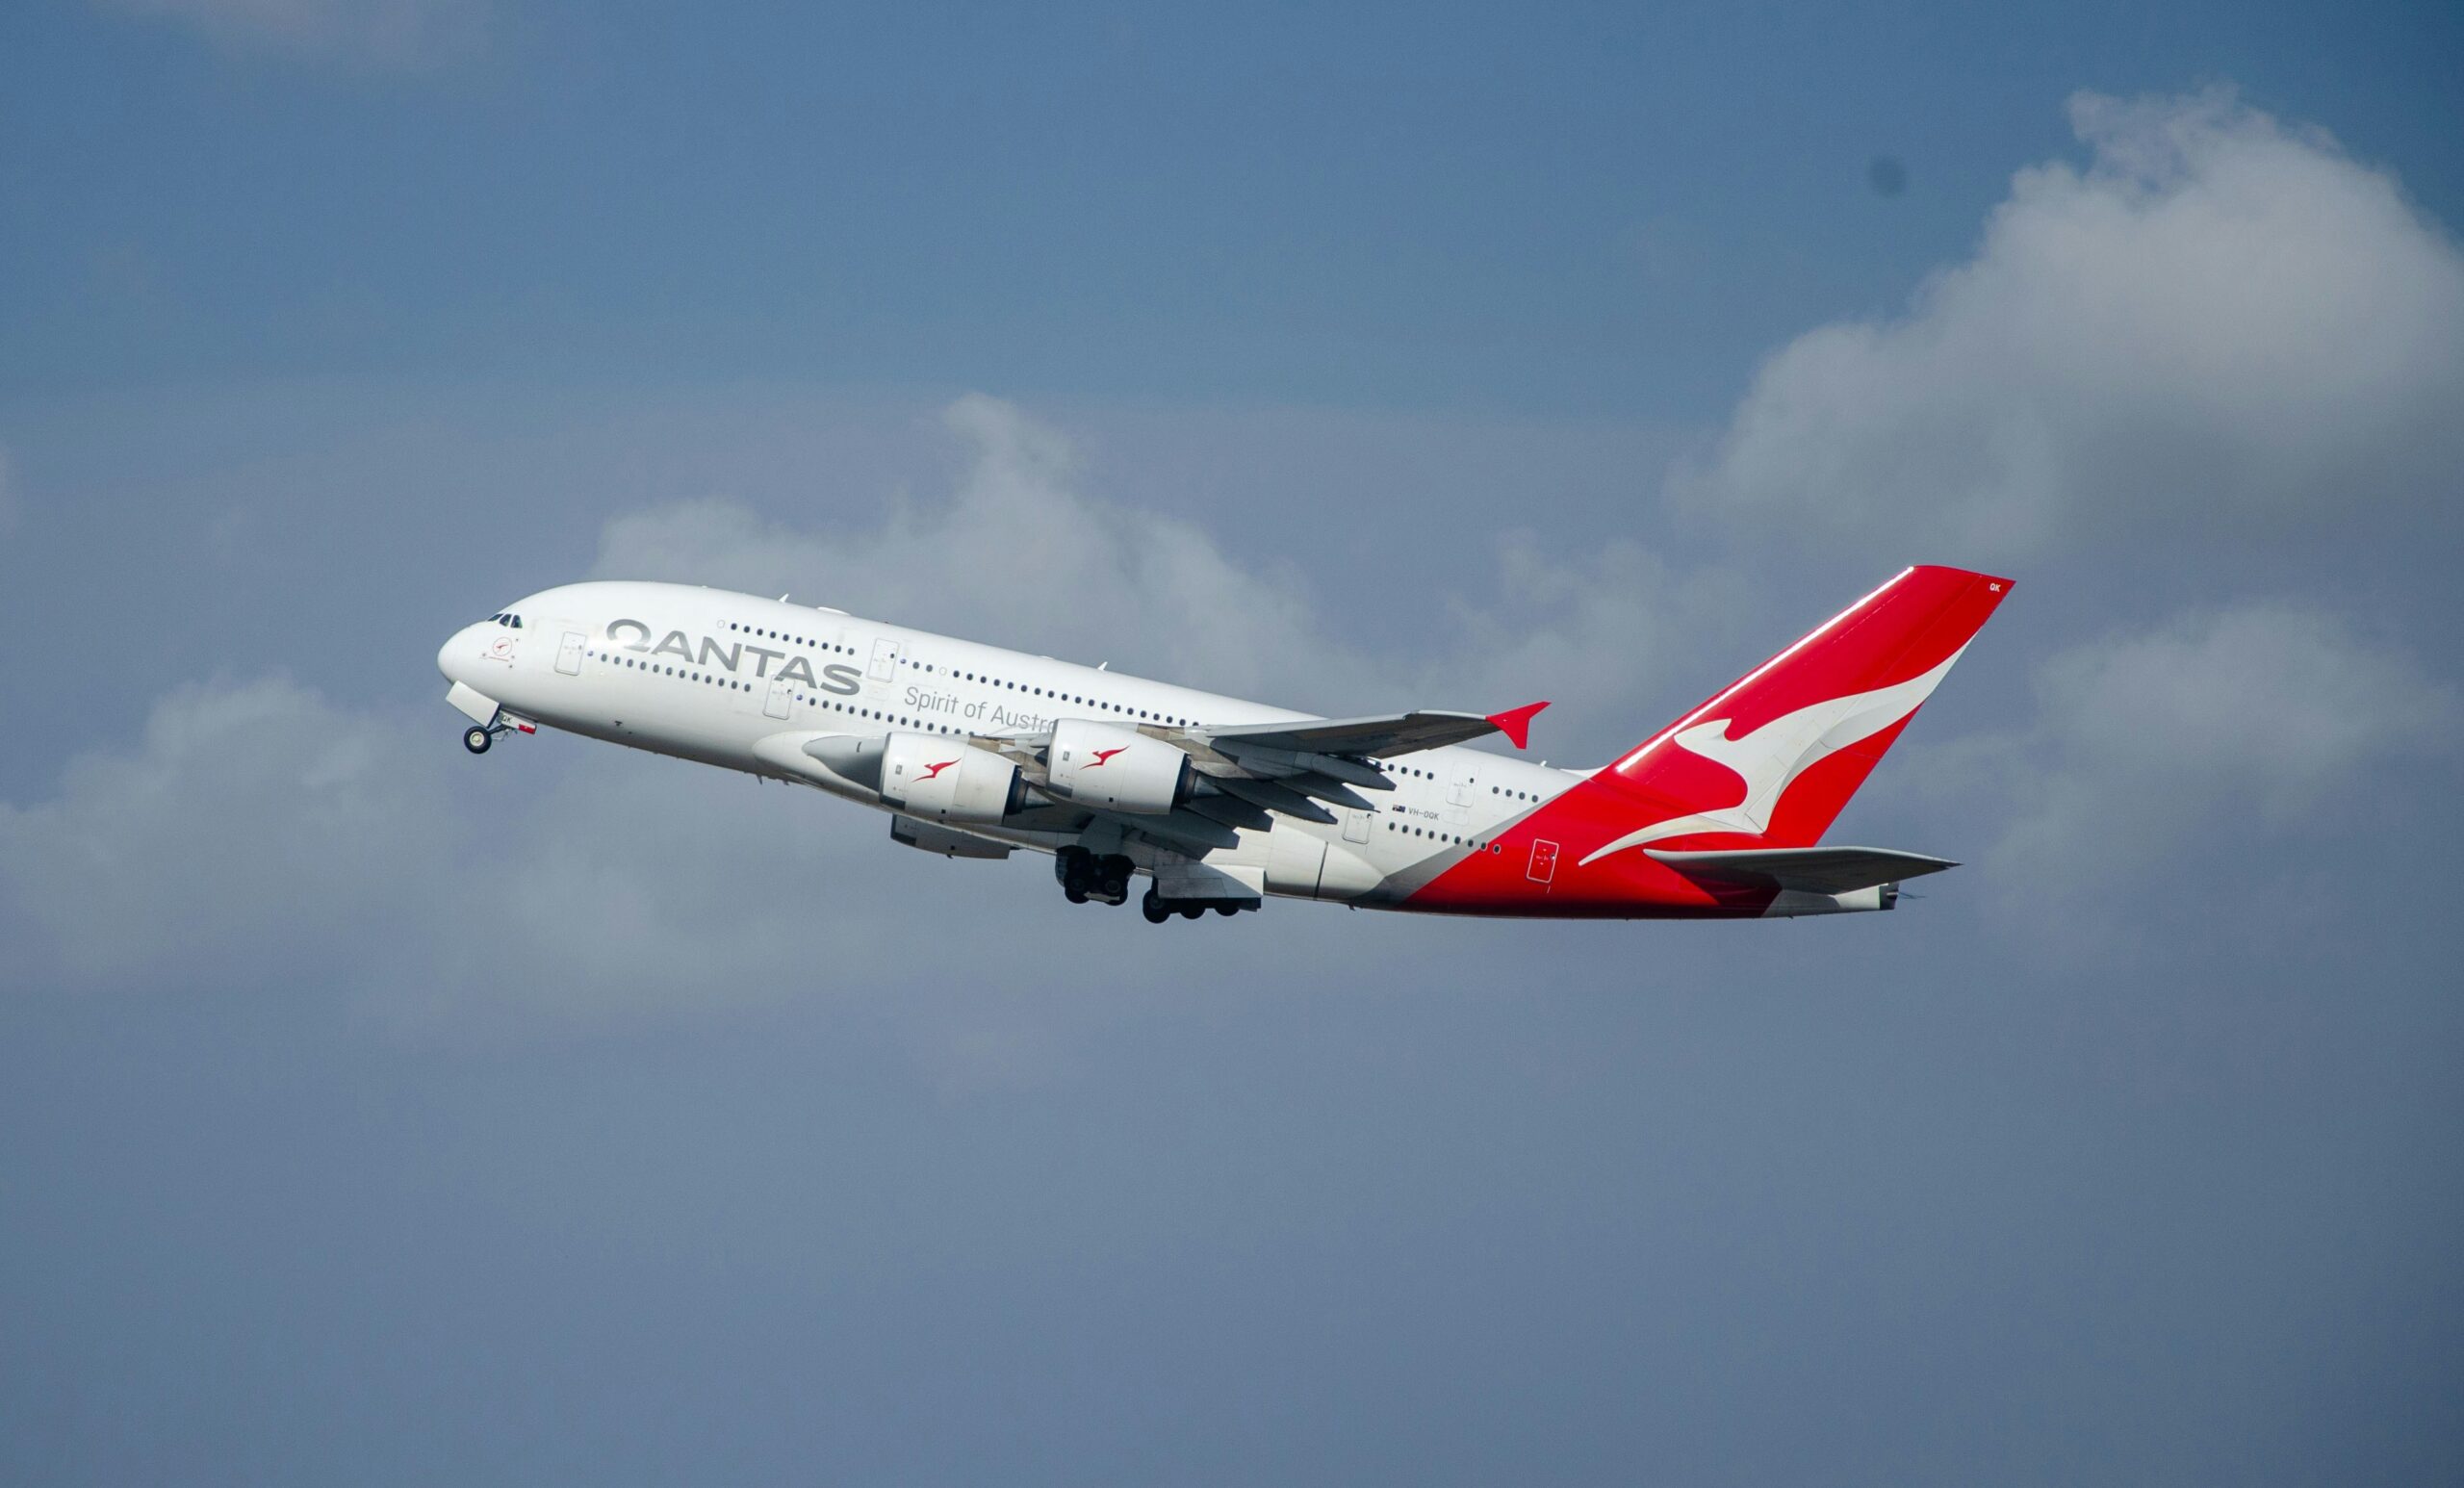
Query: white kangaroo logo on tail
(1771, 757)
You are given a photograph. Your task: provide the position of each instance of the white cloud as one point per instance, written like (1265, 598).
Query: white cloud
(2221, 321)
(2272, 705)
(259, 833)
(1015, 550)
(237, 838)
(1019, 550)
(404, 34)
(258, 836)
(1617, 637)
(257, 828)
(2193, 751)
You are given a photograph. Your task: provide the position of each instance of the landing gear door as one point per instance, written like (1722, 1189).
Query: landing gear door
(568, 655)
(885, 659)
(775, 705)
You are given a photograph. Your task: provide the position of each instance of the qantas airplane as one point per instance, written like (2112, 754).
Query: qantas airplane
(976, 751)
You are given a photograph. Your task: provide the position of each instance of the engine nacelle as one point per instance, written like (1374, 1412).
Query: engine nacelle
(1118, 769)
(942, 780)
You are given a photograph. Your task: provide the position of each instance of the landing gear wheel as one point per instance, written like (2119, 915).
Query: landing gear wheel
(476, 739)
(1154, 908)
(1075, 867)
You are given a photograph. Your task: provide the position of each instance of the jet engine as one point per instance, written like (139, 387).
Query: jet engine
(1117, 769)
(942, 780)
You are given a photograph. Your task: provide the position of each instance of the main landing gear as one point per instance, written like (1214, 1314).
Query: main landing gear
(1157, 909)
(1104, 879)
(1084, 876)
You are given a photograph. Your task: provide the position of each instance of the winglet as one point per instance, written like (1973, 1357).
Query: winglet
(1515, 722)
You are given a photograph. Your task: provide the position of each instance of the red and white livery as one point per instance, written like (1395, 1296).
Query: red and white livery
(977, 752)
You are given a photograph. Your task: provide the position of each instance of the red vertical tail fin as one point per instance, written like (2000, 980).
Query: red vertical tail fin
(1774, 756)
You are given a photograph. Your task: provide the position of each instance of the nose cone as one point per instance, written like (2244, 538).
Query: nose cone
(455, 657)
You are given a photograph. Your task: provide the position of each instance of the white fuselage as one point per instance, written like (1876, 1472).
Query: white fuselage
(745, 683)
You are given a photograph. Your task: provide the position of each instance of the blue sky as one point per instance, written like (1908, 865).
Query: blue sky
(373, 1113)
(1601, 210)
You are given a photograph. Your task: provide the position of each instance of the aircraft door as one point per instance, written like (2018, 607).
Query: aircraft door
(885, 659)
(568, 655)
(775, 705)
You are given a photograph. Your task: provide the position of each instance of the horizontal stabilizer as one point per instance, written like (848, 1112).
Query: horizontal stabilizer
(1812, 870)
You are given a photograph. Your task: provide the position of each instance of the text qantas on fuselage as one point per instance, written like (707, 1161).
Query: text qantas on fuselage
(976, 751)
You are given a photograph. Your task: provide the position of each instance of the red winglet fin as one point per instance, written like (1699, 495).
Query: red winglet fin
(1515, 722)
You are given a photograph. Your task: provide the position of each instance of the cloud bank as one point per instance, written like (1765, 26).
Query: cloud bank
(2219, 318)
(2222, 324)
(256, 832)
(2210, 756)
(1020, 550)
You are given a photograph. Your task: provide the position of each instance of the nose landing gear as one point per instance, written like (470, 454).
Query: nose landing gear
(478, 736)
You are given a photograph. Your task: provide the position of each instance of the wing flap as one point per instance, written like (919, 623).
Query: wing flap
(1813, 870)
(1231, 812)
(1276, 796)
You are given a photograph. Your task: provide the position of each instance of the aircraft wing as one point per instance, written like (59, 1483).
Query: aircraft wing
(1813, 870)
(1390, 733)
(1249, 774)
